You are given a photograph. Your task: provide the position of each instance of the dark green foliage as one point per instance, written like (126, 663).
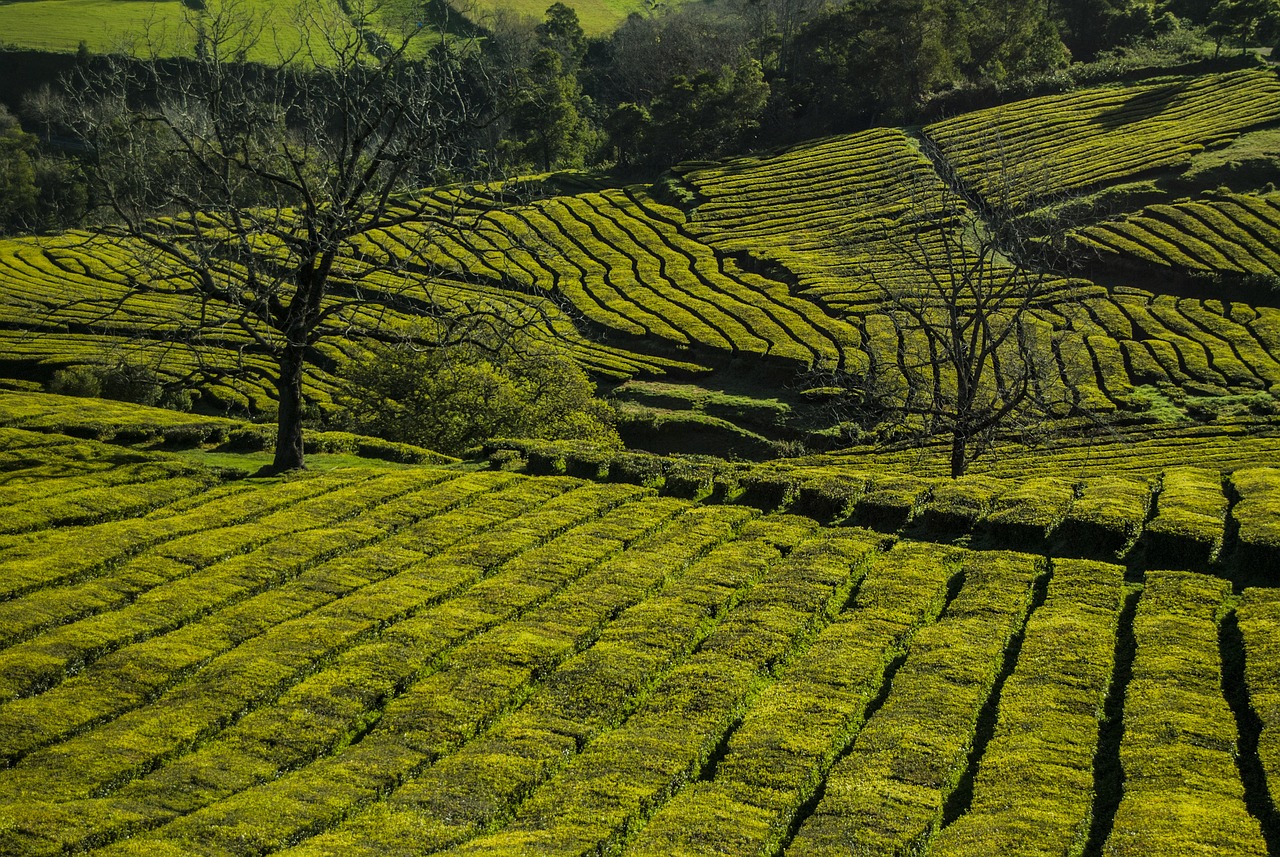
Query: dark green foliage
(714, 111)
(692, 479)
(124, 380)
(637, 468)
(1240, 20)
(76, 381)
(891, 501)
(38, 191)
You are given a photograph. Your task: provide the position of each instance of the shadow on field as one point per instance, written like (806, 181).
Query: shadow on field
(1141, 107)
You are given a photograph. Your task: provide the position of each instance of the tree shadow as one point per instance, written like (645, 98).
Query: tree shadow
(1141, 107)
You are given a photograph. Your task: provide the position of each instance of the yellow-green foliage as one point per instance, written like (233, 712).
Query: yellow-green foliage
(1034, 791)
(783, 258)
(1086, 138)
(956, 504)
(1182, 789)
(1140, 453)
(1191, 511)
(790, 738)
(629, 263)
(140, 27)
(77, 278)
(1230, 232)
(892, 499)
(687, 710)
(887, 795)
(491, 672)
(1033, 509)
(1259, 616)
(474, 552)
(1108, 515)
(369, 662)
(1258, 514)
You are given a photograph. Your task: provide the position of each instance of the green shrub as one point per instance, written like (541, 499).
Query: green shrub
(1106, 518)
(638, 468)
(1028, 513)
(506, 459)
(1191, 512)
(829, 498)
(888, 794)
(454, 398)
(76, 381)
(193, 435)
(692, 479)
(250, 439)
(892, 501)
(956, 504)
(1182, 788)
(1034, 791)
(767, 491)
(1258, 514)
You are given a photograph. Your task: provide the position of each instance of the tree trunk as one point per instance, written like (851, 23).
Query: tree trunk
(958, 463)
(289, 452)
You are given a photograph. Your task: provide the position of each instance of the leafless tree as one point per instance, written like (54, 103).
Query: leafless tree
(964, 286)
(259, 179)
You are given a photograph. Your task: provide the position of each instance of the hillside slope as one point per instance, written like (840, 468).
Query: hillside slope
(744, 276)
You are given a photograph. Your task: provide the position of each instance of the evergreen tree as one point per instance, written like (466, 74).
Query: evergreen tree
(548, 125)
(19, 194)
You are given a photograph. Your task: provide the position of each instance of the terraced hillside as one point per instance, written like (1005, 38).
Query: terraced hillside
(1234, 233)
(766, 267)
(1086, 139)
(434, 660)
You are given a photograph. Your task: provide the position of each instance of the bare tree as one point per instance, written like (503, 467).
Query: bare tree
(263, 192)
(962, 288)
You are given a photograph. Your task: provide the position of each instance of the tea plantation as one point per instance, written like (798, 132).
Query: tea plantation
(434, 659)
(770, 266)
(551, 648)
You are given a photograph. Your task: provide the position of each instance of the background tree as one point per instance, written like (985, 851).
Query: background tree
(19, 195)
(715, 111)
(548, 126)
(251, 192)
(1241, 20)
(974, 361)
(1089, 27)
(38, 191)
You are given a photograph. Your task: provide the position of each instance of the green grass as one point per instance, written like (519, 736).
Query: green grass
(598, 17)
(134, 26)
